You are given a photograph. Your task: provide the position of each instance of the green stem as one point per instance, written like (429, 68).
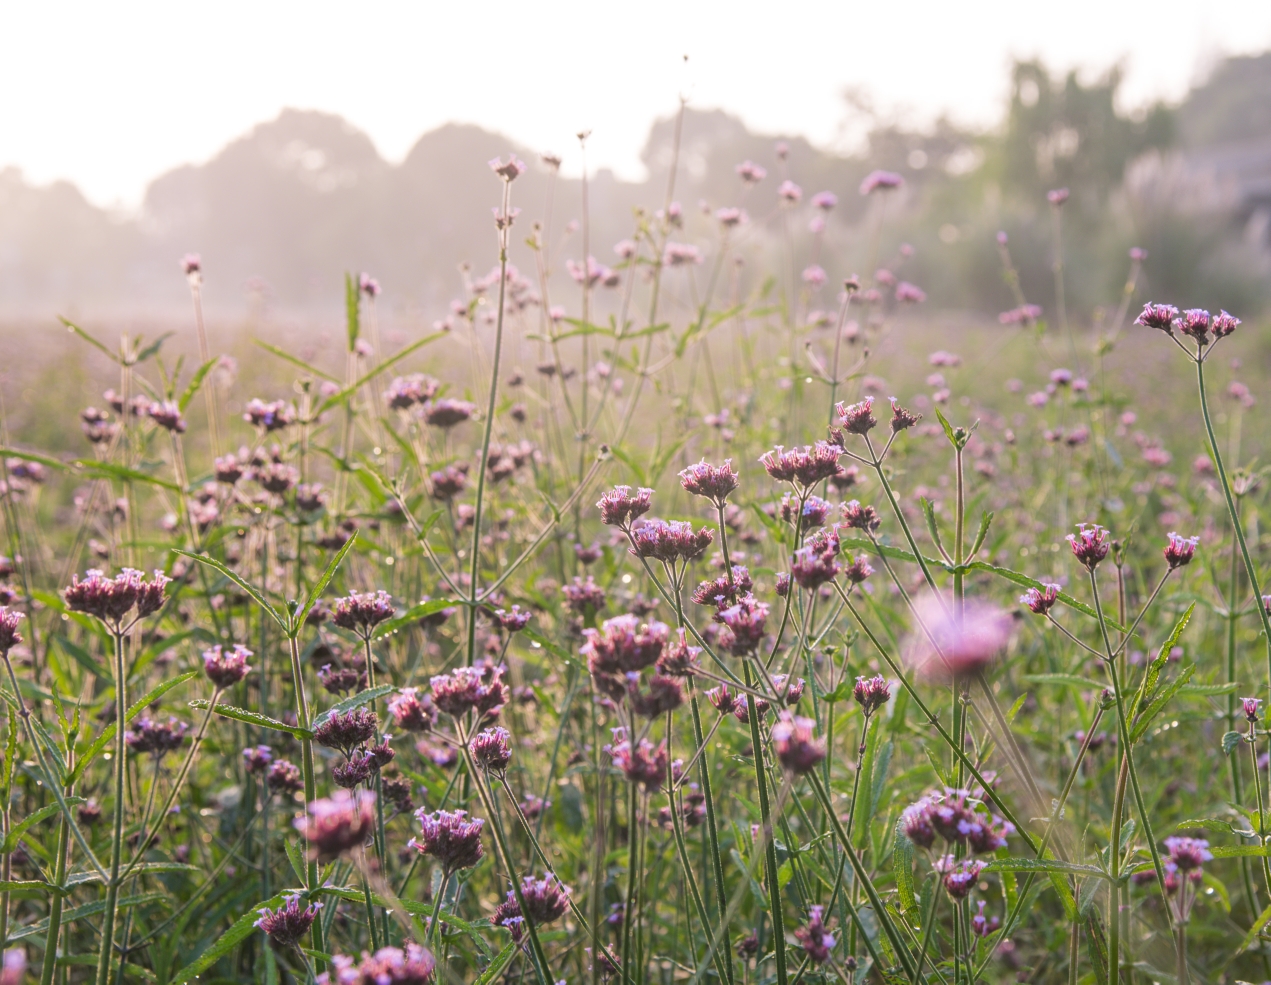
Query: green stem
(306, 768)
(770, 848)
(117, 835)
(55, 904)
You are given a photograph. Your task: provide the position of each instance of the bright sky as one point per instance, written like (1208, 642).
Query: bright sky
(109, 95)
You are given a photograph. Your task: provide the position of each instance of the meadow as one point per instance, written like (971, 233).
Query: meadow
(664, 611)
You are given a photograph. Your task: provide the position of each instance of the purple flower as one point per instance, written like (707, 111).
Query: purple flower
(1089, 544)
(257, 758)
(679, 659)
(510, 171)
(226, 669)
(1160, 316)
(272, 416)
(449, 482)
(815, 936)
(871, 693)
(450, 838)
(663, 696)
(901, 418)
(858, 570)
(406, 965)
(167, 414)
(514, 620)
(750, 172)
(228, 469)
(368, 285)
(407, 391)
(191, 264)
(713, 482)
(1251, 708)
(545, 899)
(1025, 314)
(624, 644)
(908, 293)
(361, 612)
(671, 541)
(825, 201)
(618, 507)
(981, 925)
(680, 254)
(584, 596)
(112, 599)
(287, 925)
(858, 517)
(346, 730)
(857, 418)
(341, 680)
(797, 748)
(479, 688)
(284, 777)
(1040, 600)
(958, 646)
(156, 738)
(492, 749)
(1224, 324)
(743, 625)
(1188, 853)
(447, 412)
(917, 824)
(808, 465)
(642, 764)
(354, 770)
(1180, 550)
(959, 877)
(721, 591)
(880, 181)
(1194, 323)
(789, 192)
(1057, 196)
(9, 635)
(812, 569)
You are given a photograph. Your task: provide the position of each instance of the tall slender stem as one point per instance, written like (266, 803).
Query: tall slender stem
(770, 848)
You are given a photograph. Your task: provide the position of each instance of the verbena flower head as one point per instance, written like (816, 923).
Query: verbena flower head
(670, 541)
(167, 414)
(338, 824)
(358, 768)
(901, 419)
(858, 570)
(679, 659)
(750, 172)
(1057, 196)
(448, 412)
(257, 758)
(341, 680)
(225, 669)
(662, 696)
(583, 597)
(714, 482)
(449, 837)
(981, 925)
(815, 937)
(877, 181)
(788, 191)
(1189, 854)
(624, 644)
(510, 170)
(720, 591)
(812, 569)
(1089, 544)
(798, 749)
(1224, 324)
(9, 635)
(1251, 706)
(157, 738)
(908, 293)
(408, 391)
(642, 764)
(871, 693)
(1180, 550)
(492, 749)
(619, 507)
(1025, 314)
(112, 599)
(807, 465)
(1040, 600)
(346, 730)
(13, 966)
(409, 964)
(857, 418)
(1194, 323)
(858, 517)
(1160, 316)
(284, 777)
(513, 620)
(479, 689)
(288, 925)
(545, 899)
(916, 823)
(273, 415)
(361, 612)
(825, 201)
(744, 625)
(942, 644)
(959, 878)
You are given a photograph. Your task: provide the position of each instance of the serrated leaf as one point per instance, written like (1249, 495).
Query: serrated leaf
(501, 961)
(196, 381)
(355, 701)
(412, 615)
(260, 600)
(18, 830)
(239, 931)
(902, 870)
(295, 361)
(135, 709)
(1229, 741)
(253, 718)
(1154, 668)
(89, 339)
(1145, 718)
(320, 586)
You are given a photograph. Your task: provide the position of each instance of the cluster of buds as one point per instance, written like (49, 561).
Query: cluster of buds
(619, 508)
(449, 837)
(335, 825)
(361, 612)
(624, 644)
(857, 418)
(167, 414)
(811, 568)
(1090, 544)
(902, 419)
(449, 482)
(642, 763)
(448, 412)
(288, 925)
(713, 482)
(225, 669)
(412, 710)
(157, 738)
(958, 878)
(1040, 600)
(743, 625)
(724, 590)
(815, 936)
(584, 597)
(797, 747)
(406, 965)
(268, 416)
(492, 749)
(477, 689)
(406, 392)
(1180, 550)
(669, 541)
(113, 600)
(953, 815)
(805, 466)
(858, 517)
(871, 693)
(9, 635)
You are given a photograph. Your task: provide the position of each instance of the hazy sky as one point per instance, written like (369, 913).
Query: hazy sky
(109, 95)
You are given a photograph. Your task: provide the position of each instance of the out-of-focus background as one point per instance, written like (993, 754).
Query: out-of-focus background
(288, 143)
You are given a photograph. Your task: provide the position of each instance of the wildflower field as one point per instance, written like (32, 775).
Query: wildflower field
(659, 618)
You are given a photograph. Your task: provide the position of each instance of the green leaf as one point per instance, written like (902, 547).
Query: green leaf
(106, 470)
(1044, 865)
(196, 381)
(320, 586)
(501, 961)
(1070, 680)
(1229, 741)
(296, 858)
(253, 718)
(295, 361)
(241, 929)
(841, 692)
(89, 339)
(412, 615)
(933, 528)
(15, 834)
(28, 456)
(211, 562)
(1255, 930)
(135, 709)
(355, 701)
(986, 520)
(1162, 657)
(1145, 718)
(902, 869)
